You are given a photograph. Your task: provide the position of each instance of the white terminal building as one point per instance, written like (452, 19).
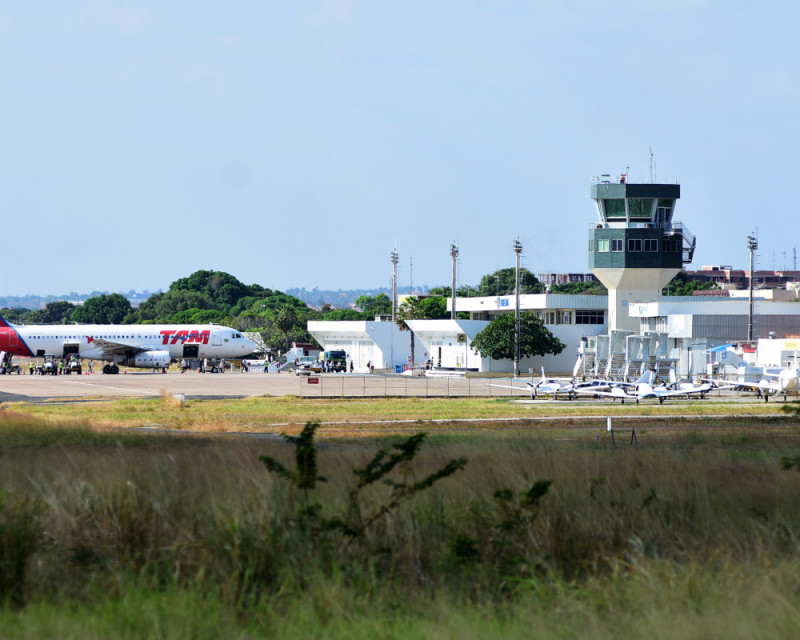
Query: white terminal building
(635, 249)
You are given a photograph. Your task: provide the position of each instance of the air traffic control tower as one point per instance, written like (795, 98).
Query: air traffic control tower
(635, 248)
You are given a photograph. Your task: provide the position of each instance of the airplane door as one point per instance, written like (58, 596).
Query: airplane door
(12, 338)
(216, 338)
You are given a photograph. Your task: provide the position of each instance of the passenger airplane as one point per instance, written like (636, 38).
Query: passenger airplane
(144, 345)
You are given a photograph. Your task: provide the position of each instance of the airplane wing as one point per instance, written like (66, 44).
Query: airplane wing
(719, 385)
(528, 389)
(108, 347)
(615, 392)
(764, 385)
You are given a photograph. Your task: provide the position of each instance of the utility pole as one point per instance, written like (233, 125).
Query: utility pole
(453, 255)
(752, 245)
(394, 284)
(517, 252)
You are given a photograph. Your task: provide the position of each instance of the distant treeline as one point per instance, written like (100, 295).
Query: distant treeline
(31, 301)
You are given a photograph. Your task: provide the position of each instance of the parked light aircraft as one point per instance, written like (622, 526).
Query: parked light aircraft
(554, 386)
(147, 346)
(643, 388)
(782, 383)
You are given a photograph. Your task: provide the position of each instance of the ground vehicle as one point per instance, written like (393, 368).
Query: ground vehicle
(49, 366)
(303, 365)
(73, 366)
(336, 360)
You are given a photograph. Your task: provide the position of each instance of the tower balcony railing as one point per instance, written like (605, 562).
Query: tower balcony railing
(688, 241)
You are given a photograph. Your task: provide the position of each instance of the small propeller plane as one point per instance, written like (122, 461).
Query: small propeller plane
(783, 383)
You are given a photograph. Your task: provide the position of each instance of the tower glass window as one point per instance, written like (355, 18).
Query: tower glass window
(616, 245)
(640, 208)
(614, 208)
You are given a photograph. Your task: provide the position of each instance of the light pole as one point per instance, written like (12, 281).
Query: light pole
(752, 245)
(394, 284)
(453, 255)
(517, 252)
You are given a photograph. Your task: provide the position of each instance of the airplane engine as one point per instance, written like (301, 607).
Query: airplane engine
(156, 359)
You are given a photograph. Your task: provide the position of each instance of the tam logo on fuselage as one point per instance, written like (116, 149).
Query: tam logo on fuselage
(171, 336)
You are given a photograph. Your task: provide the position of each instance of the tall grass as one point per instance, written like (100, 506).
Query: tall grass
(162, 537)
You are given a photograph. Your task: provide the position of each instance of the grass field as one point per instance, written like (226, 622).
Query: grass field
(547, 531)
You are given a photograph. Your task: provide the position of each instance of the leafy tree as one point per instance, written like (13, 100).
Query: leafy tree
(434, 307)
(681, 285)
(497, 339)
(200, 316)
(16, 315)
(163, 306)
(342, 314)
(59, 312)
(224, 290)
(580, 288)
(103, 309)
(285, 319)
(465, 291)
(503, 282)
(371, 306)
(410, 309)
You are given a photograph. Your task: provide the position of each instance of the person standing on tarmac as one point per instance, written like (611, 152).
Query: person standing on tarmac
(31, 367)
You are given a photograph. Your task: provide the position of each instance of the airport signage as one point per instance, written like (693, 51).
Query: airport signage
(313, 381)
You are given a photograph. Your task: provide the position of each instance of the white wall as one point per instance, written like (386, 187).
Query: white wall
(380, 343)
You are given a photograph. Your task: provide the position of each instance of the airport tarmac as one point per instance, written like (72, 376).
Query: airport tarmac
(27, 388)
(193, 385)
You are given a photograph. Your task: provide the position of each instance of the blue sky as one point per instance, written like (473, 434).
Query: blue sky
(292, 144)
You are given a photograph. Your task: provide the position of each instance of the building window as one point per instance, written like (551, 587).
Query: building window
(591, 246)
(634, 245)
(651, 245)
(589, 316)
(616, 245)
(640, 207)
(602, 246)
(614, 208)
